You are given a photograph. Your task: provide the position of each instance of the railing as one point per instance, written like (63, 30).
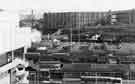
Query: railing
(103, 77)
(13, 64)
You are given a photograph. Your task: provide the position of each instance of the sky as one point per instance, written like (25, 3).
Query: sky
(67, 5)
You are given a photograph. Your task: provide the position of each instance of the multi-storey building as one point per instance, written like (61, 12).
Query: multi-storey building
(125, 16)
(72, 19)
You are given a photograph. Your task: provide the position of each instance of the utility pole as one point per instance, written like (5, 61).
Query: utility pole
(32, 19)
(79, 28)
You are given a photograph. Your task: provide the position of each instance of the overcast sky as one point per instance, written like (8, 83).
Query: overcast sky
(68, 5)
